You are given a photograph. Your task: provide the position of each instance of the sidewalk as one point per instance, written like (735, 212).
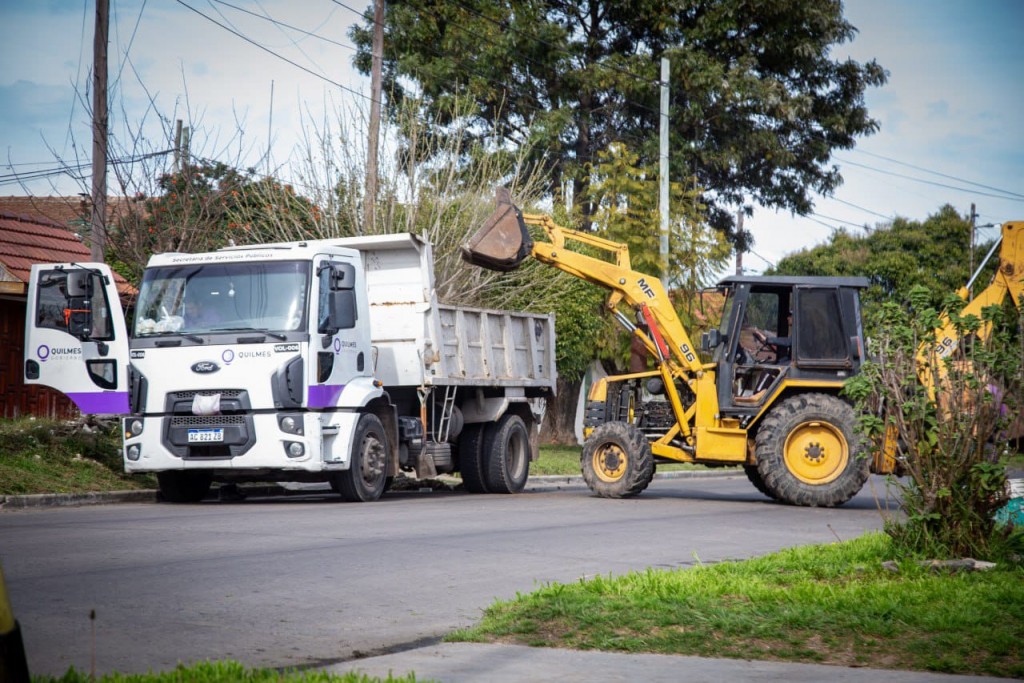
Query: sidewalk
(476, 662)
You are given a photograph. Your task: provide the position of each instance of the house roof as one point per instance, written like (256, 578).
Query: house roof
(26, 240)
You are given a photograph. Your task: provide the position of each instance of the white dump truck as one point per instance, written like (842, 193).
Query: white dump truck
(316, 361)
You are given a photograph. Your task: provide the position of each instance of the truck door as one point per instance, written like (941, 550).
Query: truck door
(336, 335)
(75, 336)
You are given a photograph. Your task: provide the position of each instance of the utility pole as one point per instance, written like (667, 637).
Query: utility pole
(663, 170)
(974, 217)
(739, 254)
(375, 89)
(177, 146)
(99, 131)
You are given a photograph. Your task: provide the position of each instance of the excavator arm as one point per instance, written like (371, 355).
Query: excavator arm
(504, 242)
(931, 368)
(1008, 282)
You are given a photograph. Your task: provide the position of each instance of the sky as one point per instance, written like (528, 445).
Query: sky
(951, 131)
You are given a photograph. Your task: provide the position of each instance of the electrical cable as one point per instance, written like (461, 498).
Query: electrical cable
(941, 175)
(931, 182)
(275, 54)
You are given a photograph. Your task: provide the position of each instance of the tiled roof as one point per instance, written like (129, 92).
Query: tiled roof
(25, 240)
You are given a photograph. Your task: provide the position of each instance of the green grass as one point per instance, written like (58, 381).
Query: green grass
(566, 460)
(223, 672)
(831, 604)
(55, 456)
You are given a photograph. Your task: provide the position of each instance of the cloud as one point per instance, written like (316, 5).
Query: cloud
(25, 103)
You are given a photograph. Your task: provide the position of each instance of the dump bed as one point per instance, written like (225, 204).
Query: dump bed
(421, 342)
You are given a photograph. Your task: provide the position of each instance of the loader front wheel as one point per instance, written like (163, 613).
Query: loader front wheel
(617, 461)
(809, 453)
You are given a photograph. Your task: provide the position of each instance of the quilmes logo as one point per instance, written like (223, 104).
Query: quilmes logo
(205, 367)
(46, 352)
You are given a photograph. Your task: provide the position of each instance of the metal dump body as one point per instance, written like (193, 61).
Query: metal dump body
(419, 342)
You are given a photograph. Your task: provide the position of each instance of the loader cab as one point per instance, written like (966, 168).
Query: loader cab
(779, 331)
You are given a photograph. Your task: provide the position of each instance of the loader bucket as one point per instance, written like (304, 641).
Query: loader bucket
(503, 242)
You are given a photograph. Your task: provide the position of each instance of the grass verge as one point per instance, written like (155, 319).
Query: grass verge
(223, 672)
(832, 604)
(58, 456)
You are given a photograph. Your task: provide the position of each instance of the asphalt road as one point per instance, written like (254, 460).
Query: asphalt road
(309, 580)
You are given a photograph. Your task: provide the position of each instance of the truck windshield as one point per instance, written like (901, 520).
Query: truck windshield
(202, 298)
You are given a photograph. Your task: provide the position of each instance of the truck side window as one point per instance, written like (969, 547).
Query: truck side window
(322, 309)
(51, 300)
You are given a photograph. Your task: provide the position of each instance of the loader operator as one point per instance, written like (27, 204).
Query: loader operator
(781, 345)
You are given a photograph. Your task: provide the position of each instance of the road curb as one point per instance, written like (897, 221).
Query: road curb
(545, 482)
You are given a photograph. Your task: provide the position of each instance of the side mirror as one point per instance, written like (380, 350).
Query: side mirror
(342, 310)
(710, 340)
(80, 283)
(80, 289)
(343, 276)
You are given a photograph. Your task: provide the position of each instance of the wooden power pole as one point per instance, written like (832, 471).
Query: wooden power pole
(98, 234)
(375, 90)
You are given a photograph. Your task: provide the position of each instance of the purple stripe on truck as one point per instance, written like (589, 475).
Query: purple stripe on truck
(101, 402)
(323, 395)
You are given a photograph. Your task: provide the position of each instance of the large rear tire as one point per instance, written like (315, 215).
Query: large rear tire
(809, 453)
(755, 478)
(471, 463)
(617, 461)
(506, 455)
(366, 476)
(184, 486)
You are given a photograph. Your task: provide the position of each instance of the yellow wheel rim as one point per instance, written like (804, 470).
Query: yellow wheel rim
(816, 452)
(609, 462)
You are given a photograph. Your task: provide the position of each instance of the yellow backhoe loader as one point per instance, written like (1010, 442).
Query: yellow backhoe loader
(768, 400)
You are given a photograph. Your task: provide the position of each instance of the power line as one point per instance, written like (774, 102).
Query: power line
(930, 182)
(279, 23)
(941, 175)
(275, 54)
(873, 213)
(66, 169)
(840, 220)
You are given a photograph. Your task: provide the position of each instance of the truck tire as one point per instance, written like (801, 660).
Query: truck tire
(471, 458)
(809, 453)
(184, 486)
(506, 455)
(755, 478)
(617, 461)
(366, 476)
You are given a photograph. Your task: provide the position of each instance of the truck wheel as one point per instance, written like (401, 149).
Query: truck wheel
(755, 478)
(471, 458)
(366, 476)
(506, 455)
(617, 460)
(184, 486)
(809, 453)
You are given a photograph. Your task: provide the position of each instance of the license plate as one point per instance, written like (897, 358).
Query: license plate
(205, 435)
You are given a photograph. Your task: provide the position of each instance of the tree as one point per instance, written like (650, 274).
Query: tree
(758, 105)
(950, 441)
(205, 206)
(894, 258)
(625, 200)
